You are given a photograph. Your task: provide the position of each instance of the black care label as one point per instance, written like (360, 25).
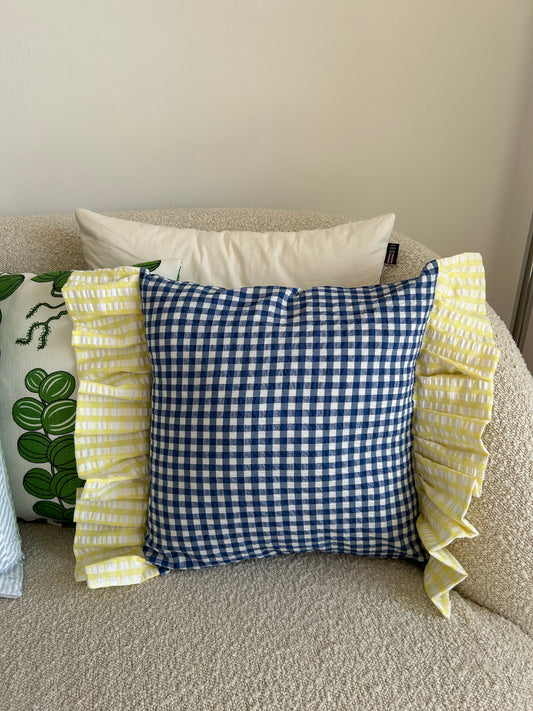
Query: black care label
(392, 253)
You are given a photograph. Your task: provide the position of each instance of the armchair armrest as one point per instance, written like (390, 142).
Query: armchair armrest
(500, 560)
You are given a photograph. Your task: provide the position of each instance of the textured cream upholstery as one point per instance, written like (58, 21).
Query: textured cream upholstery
(325, 632)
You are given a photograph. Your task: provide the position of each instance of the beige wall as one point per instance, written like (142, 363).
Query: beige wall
(346, 106)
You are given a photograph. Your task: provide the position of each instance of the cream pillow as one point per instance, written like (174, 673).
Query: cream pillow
(352, 254)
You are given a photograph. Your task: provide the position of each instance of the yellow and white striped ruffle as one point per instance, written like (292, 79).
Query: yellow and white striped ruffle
(453, 403)
(112, 426)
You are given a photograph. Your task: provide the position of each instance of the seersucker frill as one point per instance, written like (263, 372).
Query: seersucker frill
(112, 426)
(453, 402)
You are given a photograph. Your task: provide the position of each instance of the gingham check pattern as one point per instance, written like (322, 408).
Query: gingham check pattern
(281, 420)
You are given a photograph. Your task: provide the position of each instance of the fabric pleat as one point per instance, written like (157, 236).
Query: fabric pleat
(453, 403)
(112, 426)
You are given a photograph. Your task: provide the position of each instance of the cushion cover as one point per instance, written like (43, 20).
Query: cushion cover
(452, 395)
(352, 254)
(281, 419)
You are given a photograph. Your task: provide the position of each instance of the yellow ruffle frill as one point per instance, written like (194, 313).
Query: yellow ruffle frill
(453, 402)
(112, 426)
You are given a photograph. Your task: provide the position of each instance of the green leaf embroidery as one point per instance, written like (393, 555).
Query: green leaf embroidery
(46, 328)
(54, 415)
(151, 266)
(55, 276)
(58, 278)
(8, 284)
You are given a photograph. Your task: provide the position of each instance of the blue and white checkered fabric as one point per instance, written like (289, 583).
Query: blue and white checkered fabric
(10, 549)
(281, 420)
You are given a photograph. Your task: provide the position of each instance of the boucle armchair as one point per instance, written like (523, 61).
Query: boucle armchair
(312, 631)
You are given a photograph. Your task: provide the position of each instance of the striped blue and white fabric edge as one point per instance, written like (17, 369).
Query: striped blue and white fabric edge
(10, 545)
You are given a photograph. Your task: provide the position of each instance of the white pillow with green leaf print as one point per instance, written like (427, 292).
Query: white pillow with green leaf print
(38, 385)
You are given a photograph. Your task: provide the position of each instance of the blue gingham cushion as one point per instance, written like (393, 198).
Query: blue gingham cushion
(281, 420)
(10, 549)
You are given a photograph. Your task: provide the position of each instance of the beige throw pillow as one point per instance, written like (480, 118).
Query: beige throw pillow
(351, 254)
